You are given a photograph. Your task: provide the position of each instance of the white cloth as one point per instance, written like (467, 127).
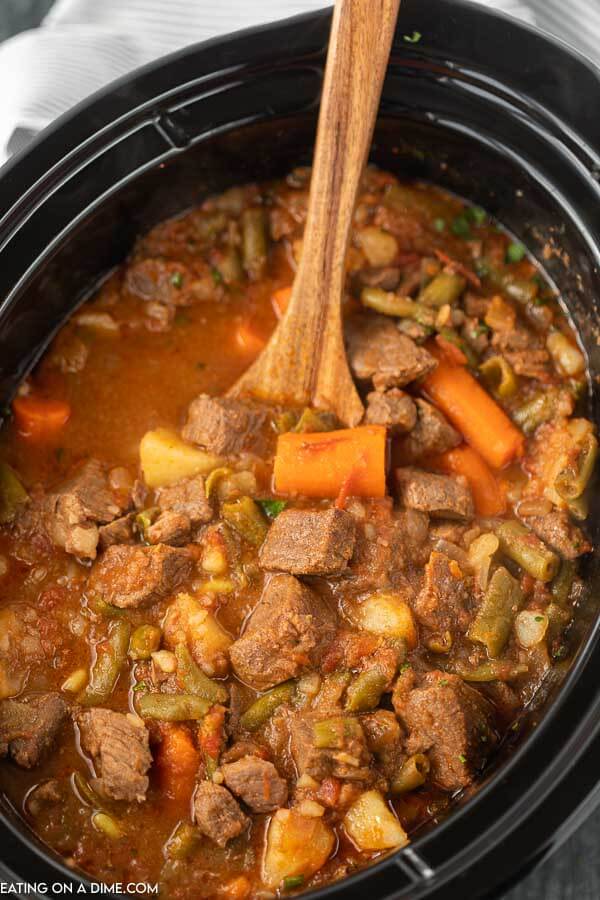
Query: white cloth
(84, 44)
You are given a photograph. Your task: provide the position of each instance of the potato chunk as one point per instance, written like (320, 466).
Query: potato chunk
(165, 458)
(389, 615)
(296, 845)
(371, 824)
(187, 622)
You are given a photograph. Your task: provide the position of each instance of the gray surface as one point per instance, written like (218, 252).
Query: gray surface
(574, 872)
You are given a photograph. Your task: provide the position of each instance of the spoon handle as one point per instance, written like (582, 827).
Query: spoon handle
(359, 46)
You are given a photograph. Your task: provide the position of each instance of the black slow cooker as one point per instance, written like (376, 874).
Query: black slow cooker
(474, 101)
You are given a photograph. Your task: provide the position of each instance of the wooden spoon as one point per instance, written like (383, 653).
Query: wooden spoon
(305, 361)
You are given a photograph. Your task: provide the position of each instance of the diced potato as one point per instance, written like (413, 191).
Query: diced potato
(296, 845)
(165, 458)
(387, 614)
(187, 622)
(379, 247)
(371, 824)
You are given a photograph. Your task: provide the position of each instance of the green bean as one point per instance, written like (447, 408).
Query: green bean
(365, 691)
(558, 619)
(111, 656)
(390, 304)
(84, 791)
(528, 551)
(193, 680)
(333, 733)
(229, 266)
(173, 707)
(498, 374)
(245, 516)
(519, 289)
(493, 670)
(182, 841)
(107, 825)
(580, 507)
(538, 409)
(412, 774)
(254, 241)
(12, 494)
(445, 288)
(314, 420)
(573, 478)
(493, 621)
(563, 582)
(145, 640)
(262, 709)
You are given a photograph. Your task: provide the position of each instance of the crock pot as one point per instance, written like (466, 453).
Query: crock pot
(474, 101)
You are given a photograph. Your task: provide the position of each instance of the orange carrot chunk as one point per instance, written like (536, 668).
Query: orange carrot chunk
(488, 494)
(38, 418)
(177, 761)
(349, 462)
(483, 424)
(281, 300)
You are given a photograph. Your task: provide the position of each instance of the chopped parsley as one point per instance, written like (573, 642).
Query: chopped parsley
(413, 38)
(216, 275)
(539, 618)
(515, 252)
(140, 686)
(439, 224)
(444, 682)
(292, 881)
(405, 666)
(272, 508)
(460, 227)
(462, 758)
(177, 279)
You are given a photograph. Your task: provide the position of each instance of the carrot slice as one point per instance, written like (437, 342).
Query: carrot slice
(280, 300)
(327, 463)
(177, 761)
(488, 493)
(483, 424)
(38, 418)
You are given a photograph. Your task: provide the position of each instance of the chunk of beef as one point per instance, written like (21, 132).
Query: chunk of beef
(385, 741)
(257, 782)
(439, 495)
(530, 363)
(558, 529)
(453, 723)
(221, 424)
(432, 434)
(118, 532)
(393, 408)
(72, 513)
(286, 634)
(385, 542)
(217, 814)
(138, 576)
(187, 497)
(48, 793)
(445, 601)
(309, 542)
(29, 727)
(330, 747)
(170, 527)
(160, 281)
(118, 745)
(379, 351)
